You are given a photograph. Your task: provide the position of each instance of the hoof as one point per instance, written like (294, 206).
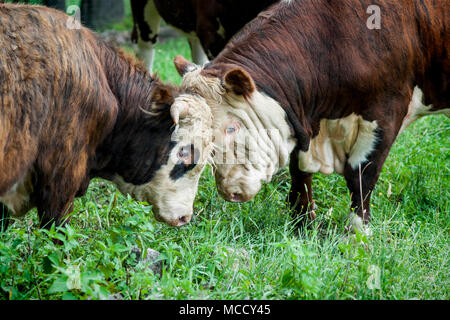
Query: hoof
(305, 216)
(356, 223)
(312, 210)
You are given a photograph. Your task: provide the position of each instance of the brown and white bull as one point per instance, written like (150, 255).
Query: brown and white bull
(313, 84)
(73, 108)
(207, 24)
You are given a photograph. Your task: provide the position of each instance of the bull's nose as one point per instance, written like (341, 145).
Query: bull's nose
(236, 197)
(184, 220)
(181, 221)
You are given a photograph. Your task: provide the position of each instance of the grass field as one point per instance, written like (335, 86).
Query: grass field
(240, 251)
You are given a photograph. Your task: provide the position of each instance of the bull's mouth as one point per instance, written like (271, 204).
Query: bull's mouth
(235, 197)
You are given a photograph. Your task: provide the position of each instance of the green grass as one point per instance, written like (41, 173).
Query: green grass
(240, 251)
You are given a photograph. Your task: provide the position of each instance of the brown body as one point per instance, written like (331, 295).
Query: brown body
(72, 108)
(320, 62)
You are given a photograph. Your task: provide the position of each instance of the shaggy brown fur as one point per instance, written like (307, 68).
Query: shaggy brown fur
(71, 109)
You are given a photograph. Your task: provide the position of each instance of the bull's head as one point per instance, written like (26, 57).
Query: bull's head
(252, 137)
(169, 167)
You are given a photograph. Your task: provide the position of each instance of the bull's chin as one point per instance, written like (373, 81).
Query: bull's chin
(232, 200)
(236, 198)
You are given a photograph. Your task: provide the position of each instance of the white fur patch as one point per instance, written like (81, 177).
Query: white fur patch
(417, 109)
(348, 139)
(146, 50)
(365, 142)
(17, 199)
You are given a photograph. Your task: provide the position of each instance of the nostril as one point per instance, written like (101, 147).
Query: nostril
(236, 197)
(184, 220)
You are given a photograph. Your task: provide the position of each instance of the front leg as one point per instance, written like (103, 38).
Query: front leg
(146, 28)
(198, 54)
(300, 195)
(210, 31)
(4, 217)
(56, 208)
(362, 177)
(55, 192)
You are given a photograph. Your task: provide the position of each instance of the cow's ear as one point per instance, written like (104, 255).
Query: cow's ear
(239, 82)
(183, 66)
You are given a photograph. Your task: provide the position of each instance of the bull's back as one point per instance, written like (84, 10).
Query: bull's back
(434, 24)
(332, 46)
(51, 84)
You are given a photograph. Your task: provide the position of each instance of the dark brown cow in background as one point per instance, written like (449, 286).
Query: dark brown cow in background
(312, 82)
(73, 108)
(208, 24)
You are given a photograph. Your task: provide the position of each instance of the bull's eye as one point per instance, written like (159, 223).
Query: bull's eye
(184, 153)
(188, 158)
(232, 129)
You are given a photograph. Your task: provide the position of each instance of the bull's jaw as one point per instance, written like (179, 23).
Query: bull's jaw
(155, 193)
(230, 187)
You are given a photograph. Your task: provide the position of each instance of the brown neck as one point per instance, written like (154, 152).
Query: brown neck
(139, 143)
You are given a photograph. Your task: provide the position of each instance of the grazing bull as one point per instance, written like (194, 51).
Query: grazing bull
(73, 108)
(307, 82)
(207, 24)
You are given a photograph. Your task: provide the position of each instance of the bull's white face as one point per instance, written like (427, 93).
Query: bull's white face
(251, 135)
(173, 188)
(250, 147)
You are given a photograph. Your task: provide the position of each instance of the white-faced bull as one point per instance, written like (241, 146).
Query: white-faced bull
(73, 108)
(308, 83)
